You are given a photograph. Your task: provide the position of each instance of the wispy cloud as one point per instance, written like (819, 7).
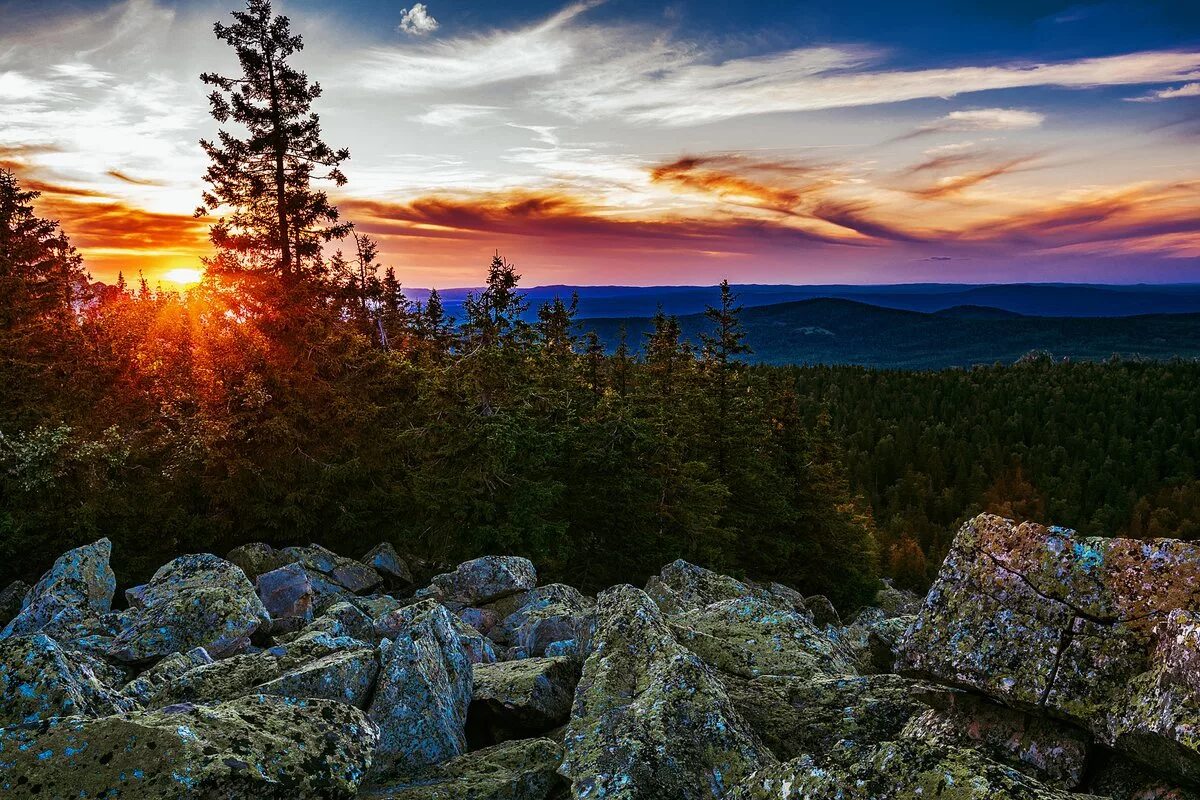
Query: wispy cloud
(453, 115)
(980, 119)
(1186, 90)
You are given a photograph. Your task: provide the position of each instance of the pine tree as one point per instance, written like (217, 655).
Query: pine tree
(276, 221)
(720, 351)
(494, 315)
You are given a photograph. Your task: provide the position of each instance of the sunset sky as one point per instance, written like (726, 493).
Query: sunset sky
(627, 142)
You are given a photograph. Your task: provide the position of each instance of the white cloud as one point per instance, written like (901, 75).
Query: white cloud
(1187, 90)
(450, 115)
(987, 119)
(417, 20)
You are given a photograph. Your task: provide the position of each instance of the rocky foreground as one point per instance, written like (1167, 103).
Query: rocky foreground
(1041, 665)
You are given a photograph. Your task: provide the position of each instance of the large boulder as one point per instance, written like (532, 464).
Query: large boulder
(548, 614)
(287, 593)
(520, 699)
(650, 719)
(483, 580)
(256, 558)
(353, 576)
(749, 637)
(384, 559)
(251, 748)
(424, 691)
(479, 649)
(315, 665)
(518, 770)
(901, 770)
(80, 585)
(1045, 620)
(1054, 753)
(681, 587)
(153, 681)
(40, 679)
(794, 716)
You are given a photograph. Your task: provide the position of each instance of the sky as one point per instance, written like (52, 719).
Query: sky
(646, 143)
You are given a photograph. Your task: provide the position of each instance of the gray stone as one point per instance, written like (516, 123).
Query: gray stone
(483, 580)
(520, 699)
(80, 585)
(286, 592)
(384, 559)
(40, 679)
(516, 770)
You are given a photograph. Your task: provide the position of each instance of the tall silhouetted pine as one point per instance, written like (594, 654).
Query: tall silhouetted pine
(274, 220)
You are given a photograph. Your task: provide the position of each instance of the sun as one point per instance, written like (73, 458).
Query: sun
(184, 276)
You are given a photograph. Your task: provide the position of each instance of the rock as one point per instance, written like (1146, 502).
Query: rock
(822, 610)
(343, 619)
(483, 580)
(883, 639)
(547, 614)
(286, 592)
(481, 619)
(1051, 752)
(40, 679)
(1048, 621)
(749, 637)
(479, 650)
(681, 587)
(903, 770)
(315, 665)
(895, 602)
(795, 716)
(254, 747)
(346, 676)
(516, 770)
(568, 648)
(353, 576)
(520, 699)
(193, 601)
(256, 558)
(12, 599)
(425, 687)
(151, 682)
(384, 559)
(79, 585)
(377, 605)
(1118, 778)
(1157, 721)
(650, 719)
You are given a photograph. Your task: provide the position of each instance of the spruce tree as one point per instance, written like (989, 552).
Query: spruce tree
(275, 222)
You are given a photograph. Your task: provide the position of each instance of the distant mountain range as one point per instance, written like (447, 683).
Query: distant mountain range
(1031, 299)
(836, 331)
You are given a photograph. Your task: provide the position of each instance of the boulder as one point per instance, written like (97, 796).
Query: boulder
(895, 602)
(40, 679)
(1045, 620)
(822, 611)
(353, 576)
(12, 599)
(749, 637)
(424, 691)
(516, 770)
(315, 665)
(883, 640)
(256, 558)
(902, 770)
(144, 687)
(649, 718)
(79, 585)
(548, 614)
(384, 559)
(1051, 752)
(247, 749)
(479, 650)
(342, 619)
(794, 716)
(520, 699)
(1116, 777)
(287, 593)
(483, 580)
(481, 619)
(681, 587)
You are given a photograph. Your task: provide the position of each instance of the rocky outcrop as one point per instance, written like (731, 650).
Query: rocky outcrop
(1062, 625)
(79, 586)
(650, 719)
(1041, 663)
(254, 747)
